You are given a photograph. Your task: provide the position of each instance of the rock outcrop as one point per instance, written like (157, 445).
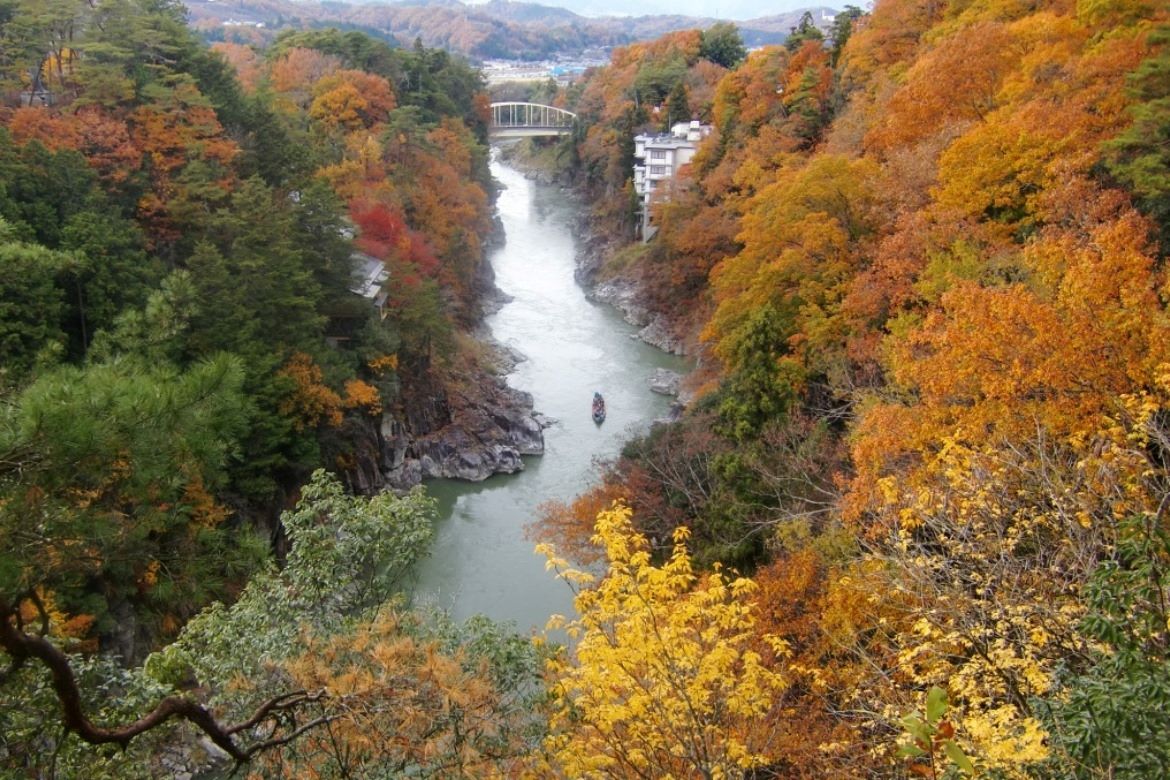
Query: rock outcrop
(482, 429)
(665, 382)
(623, 295)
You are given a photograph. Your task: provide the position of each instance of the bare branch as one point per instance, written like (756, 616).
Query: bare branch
(284, 701)
(268, 744)
(35, 598)
(21, 646)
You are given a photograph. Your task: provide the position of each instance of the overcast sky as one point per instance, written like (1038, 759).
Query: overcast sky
(722, 9)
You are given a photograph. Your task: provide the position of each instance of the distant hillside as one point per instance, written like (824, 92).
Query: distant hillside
(529, 13)
(497, 29)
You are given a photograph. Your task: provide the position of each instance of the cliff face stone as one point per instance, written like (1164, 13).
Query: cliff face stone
(483, 428)
(625, 296)
(665, 382)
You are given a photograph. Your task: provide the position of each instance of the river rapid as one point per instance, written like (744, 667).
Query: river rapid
(481, 562)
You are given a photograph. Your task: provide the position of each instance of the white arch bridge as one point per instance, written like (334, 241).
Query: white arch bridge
(526, 120)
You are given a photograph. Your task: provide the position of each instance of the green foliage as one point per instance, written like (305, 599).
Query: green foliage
(419, 317)
(805, 30)
(318, 222)
(841, 30)
(114, 272)
(260, 277)
(348, 556)
(53, 199)
(157, 333)
(1140, 157)
(808, 113)
(761, 386)
(678, 107)
(32, 742)
(145, 39)
(104, 472)
(930, 744)
(1113, 718)
(722, 44)
(42, 190)
(354, 48)
(31, 305)
(274, 149)
(657, 79)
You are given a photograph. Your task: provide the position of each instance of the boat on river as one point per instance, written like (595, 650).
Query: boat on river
(598, 408)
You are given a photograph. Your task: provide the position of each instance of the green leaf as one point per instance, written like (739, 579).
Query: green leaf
(917, 728)
(936, 704)
(958, 757)
(910, 750)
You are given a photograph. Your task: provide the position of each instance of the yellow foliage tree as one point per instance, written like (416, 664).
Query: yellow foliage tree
(362, 395)
(993, 556)
(352, 99)
(663, 680)
(311, 402)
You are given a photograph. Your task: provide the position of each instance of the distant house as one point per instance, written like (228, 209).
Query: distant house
(369, 280)
(661, 156)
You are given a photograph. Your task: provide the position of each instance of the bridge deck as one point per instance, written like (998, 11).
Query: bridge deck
(522, 120)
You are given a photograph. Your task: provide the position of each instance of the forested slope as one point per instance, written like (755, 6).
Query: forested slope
(182, 232)
(923, 266)
(913, 524)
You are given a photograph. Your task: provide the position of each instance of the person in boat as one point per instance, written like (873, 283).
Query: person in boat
(598, 407)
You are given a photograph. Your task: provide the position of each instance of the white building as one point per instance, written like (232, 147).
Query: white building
(369, 280)
(661, 156)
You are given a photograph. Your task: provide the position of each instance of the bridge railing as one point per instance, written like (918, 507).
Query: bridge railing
(517, 115)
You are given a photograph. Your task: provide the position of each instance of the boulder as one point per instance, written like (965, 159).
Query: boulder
(622, 294)
(665, 382)
(659, 334)
(405, 476)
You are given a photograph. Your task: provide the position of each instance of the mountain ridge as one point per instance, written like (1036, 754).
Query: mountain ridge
(498, 29)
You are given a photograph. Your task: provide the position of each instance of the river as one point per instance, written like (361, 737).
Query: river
(481, 562)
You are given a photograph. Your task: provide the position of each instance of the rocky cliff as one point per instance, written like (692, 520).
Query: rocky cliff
(468, 427)
(478, 428)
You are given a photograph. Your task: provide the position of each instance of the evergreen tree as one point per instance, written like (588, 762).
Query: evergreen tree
(722, 44)
(805, 30)
(31, 305)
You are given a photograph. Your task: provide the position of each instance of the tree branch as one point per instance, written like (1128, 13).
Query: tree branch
(21, 646)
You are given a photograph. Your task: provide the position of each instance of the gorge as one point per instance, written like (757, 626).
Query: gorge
(481, 563)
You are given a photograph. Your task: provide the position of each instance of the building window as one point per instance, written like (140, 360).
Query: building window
(657, 154)
(657, 170)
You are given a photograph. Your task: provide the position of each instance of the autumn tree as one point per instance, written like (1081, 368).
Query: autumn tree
(391, 690)
(351, 99)
(662, 678)
(244, 60)
(459, 697)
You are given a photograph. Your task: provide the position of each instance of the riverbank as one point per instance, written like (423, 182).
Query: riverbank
(605, 279)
